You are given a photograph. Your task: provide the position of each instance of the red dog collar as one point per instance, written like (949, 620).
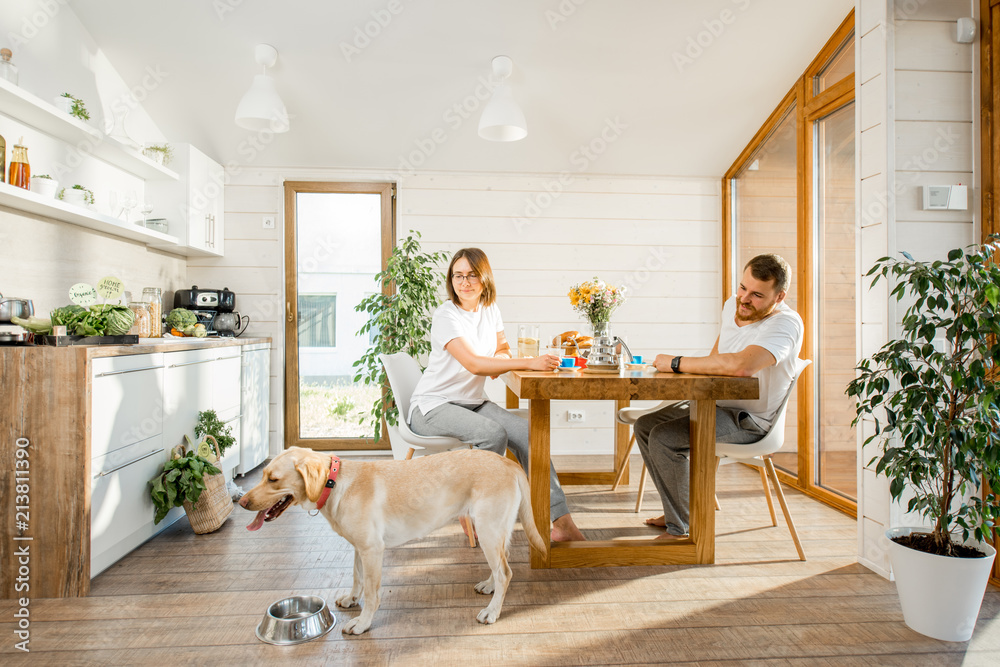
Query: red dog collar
(330, 482)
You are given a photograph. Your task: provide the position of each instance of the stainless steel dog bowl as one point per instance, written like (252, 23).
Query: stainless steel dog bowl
(295, 620)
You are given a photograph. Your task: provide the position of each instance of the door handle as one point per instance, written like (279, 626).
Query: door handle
(288, 307)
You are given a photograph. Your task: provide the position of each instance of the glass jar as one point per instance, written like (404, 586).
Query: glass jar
(141, 326)
(154, 297)
(20, 173)
(8, 71)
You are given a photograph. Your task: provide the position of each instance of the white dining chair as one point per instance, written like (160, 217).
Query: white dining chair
(403, 373)
(756, 454)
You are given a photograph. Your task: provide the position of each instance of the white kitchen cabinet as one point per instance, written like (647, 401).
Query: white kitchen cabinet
(126, 452)
(194, 205)
(256, 378)
(199, 380)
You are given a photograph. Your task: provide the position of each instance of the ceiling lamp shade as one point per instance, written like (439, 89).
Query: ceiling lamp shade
(502, 119)
(261, 107)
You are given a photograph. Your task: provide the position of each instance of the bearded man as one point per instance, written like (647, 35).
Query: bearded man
(760, 337)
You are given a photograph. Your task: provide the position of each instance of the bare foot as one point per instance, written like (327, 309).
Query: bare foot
(657, 521)
(669, 537)
(565, 530)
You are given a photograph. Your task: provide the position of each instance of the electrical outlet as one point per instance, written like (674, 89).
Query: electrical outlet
(268, 222)
(575, 415)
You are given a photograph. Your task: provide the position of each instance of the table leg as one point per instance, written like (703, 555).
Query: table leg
(702, 486)
(538, 476)
(622, 445)
(512, 400)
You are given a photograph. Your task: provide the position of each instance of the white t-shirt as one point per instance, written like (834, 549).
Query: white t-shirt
(780, 334)
(446, 380)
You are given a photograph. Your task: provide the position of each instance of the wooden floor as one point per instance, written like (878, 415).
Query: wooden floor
(196, 599)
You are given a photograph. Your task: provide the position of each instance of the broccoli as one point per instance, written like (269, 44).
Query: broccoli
(181, 319)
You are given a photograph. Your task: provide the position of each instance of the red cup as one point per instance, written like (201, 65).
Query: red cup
(581, 362)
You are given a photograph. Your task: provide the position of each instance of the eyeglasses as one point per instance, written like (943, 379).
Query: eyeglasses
(472, 278)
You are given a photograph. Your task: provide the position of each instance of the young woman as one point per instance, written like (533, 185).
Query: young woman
(467, 345)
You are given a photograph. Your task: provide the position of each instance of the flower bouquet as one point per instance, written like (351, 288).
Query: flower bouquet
(596, 300)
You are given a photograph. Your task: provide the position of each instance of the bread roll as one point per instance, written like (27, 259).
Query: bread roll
(565, 337)
(584, 341)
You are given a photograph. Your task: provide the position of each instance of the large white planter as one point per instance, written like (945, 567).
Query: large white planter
(940, 596)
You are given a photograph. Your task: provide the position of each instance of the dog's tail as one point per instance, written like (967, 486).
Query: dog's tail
(525, 514)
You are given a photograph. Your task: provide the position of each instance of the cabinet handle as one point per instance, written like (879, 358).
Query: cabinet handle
(191, 363)
(131, 370)
(232, 419)
(125, 465)
(213, 230)
(208, 230)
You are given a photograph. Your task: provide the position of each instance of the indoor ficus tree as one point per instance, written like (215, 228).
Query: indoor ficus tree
(933, 392)
(399, 318)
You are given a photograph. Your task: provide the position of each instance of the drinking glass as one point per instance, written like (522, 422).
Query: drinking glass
(527, 340)
(128, 202)
(147, 208)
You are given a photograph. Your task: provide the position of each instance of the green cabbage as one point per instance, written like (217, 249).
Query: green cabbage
(181, 319)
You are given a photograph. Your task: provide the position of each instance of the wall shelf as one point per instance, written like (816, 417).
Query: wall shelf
(30, 202)
(29, 109)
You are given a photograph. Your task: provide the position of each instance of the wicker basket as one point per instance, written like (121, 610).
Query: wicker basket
(214, 504)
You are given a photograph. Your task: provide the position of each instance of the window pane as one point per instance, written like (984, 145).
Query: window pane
(836, 441)
(317, 320)
(339, 251)
(764, 216)
(839, 66)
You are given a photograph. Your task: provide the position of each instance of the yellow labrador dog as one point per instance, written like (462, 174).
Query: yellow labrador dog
(379, 504)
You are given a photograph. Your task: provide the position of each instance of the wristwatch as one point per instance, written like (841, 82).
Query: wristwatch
(675, 364)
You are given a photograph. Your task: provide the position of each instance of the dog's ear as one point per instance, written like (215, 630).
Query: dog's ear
(314, 474)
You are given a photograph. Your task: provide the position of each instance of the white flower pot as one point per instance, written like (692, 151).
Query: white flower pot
(940, 596)
(75, 197)
(64, 104)
(44, 187)
(155, 156)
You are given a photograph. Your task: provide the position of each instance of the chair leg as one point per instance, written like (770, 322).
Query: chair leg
(623, 463)
(469, 529)
(718, 462)
(409, 454)
(784, 508)
(767, 494)
(642, 487)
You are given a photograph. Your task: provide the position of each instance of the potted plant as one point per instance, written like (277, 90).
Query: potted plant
(210, 424)
(74, 106)
(933, 396)
(77, 195)
(182, 479)
(399, 319)
(159, 153)
(44, 185)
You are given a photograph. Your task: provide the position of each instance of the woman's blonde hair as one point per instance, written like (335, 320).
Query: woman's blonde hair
(481, 266)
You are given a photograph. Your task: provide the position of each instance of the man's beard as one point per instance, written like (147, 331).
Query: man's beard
(754, 315)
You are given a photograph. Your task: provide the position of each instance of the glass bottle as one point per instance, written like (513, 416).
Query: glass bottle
(8, 71)
(3, 160)
(153, 296)
(141, 327)
(20, 173)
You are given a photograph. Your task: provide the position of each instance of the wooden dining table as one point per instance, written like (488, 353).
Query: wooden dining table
(540, 388)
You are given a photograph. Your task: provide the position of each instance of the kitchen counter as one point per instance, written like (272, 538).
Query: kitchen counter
(47, 426)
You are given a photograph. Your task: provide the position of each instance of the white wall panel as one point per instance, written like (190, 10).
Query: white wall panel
(931, 46)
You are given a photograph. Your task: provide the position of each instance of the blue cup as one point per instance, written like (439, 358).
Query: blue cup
(636, 358)
(567, 362)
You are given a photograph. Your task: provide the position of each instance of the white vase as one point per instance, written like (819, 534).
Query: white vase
(44, 187)
(940, 595)
(64, 104)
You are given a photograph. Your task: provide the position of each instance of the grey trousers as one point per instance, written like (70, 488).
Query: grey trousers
(487, 426)
(665, 443)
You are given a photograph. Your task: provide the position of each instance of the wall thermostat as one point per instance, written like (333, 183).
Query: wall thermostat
(946, 197)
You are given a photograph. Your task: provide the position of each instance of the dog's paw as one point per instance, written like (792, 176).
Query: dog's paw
(487, 616)
(356, 627)
(347, 601)
(485, 587)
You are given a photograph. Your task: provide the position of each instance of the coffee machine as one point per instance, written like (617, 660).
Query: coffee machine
(206, 304)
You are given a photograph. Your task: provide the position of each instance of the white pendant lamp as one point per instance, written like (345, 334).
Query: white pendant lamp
(261, 108)
(502, 119)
